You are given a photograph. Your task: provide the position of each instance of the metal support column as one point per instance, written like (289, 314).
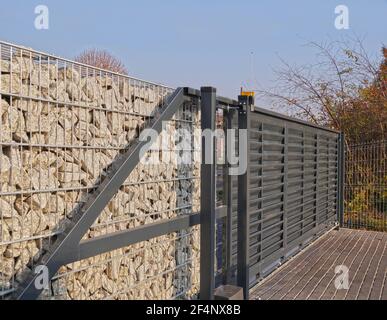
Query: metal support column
(208, 196)
(243, 265)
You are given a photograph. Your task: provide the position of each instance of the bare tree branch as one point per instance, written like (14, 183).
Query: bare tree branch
(102, 59)
(345, 89)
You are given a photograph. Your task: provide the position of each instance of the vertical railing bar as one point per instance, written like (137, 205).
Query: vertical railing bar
(317, 178)
(303, 184)
(368, 164)
(285, 188)
(339, 195)
(383, 169)
(207, 196)
(224, 222)
(228, 198)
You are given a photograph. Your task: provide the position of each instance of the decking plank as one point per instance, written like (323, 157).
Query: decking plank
(311, 274)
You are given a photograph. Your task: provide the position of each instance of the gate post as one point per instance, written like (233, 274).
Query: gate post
(207, 195)
(243, 265)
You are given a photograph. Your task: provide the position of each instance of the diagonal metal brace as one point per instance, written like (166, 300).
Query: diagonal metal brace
(62, 250)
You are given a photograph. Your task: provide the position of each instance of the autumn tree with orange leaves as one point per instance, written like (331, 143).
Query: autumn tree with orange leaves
(344, 89)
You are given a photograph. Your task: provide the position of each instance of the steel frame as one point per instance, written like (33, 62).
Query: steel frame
(69, 248)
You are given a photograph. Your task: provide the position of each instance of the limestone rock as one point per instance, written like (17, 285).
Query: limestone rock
(15, 227)
(7, 267)
(5, 236)
(108, 284)
(5, 166)
(74, 92)
(36, 122)
(43, 179)
(46, 159)
(91, 89)
(40, 78)
(22, 66)
(32, 91)
(21, 206)
(113, 270)
(69, 172)
(58, 136)
(111, 98)
(36, 222)
(4, 106)
(66, 118)
(83, 114)
(69, 74)
(38, 138)
(38, 201)
(56, 204)
(13, 120)
(26, 256)
(100, 120)
(58, 91)
(10, 84)
(5, 66)
(102, 133)
(131, 123)
(105, 82)
(114, 123)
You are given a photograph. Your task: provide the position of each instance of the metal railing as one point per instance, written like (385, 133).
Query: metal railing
(366, 186)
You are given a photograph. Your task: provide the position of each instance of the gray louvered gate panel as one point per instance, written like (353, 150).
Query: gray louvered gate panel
(293, 188)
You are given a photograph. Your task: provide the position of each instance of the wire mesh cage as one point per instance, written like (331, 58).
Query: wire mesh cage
(62, 125)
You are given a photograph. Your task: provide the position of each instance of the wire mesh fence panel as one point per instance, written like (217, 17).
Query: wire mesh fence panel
(366, 186)
(62, 125)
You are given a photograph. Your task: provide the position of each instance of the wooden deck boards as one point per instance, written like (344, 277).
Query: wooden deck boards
(311, 274)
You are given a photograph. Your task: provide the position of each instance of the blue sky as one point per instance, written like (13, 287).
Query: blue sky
(193, 43)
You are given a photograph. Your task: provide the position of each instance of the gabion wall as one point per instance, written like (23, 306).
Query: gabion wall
(62, 124)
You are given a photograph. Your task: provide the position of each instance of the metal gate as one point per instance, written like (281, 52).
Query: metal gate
(291, 193)
(292, 188)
